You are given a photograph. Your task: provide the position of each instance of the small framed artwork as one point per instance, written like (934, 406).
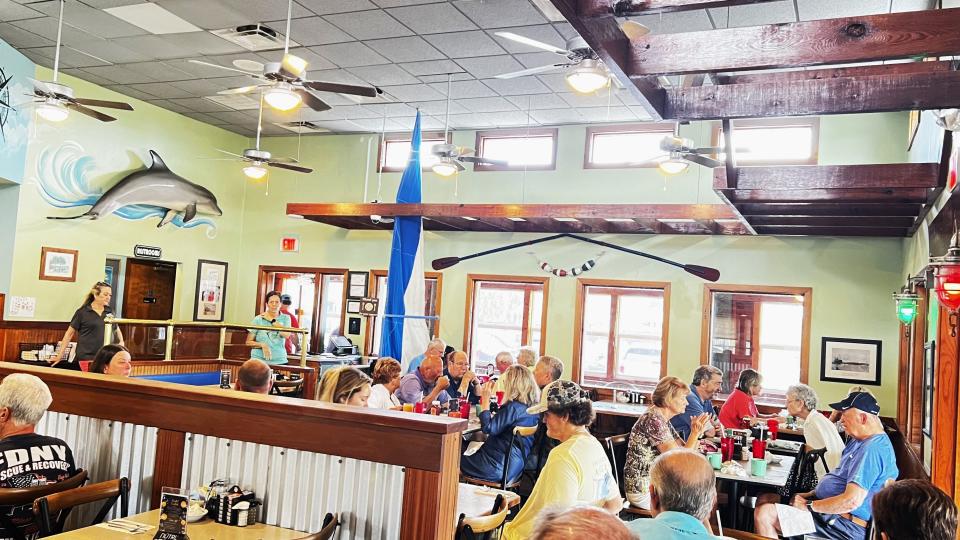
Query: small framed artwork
(929, 357)
(353, 306)
(211, 288)
(850, 360)
(357, 285)
(58, 264)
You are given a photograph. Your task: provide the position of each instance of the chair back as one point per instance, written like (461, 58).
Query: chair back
(612, 444)
(59, 505)
(518, 431)
(483, 527)
(24, 496)
(330, 523)
(292, 388)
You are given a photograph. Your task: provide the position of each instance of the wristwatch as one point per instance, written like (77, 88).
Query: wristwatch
(810, 506)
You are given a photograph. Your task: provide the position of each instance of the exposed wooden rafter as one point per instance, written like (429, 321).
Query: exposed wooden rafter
(594, 8)
(901, 68)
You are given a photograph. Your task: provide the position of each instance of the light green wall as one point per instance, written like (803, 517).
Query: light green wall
(118, 148)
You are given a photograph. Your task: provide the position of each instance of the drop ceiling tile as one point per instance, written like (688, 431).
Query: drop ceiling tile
(509, 118)
(465, 89)
(109, 51)
(432, 18)
(600, 98)
(315, 62)
(47, 27)
(103, 4)
(430, 122)
(465, 44)
(413, 92)
(683, 21)
(438, 108)
(89, 77)
(202, 117)
(372, 24)
(538, 59)
(565, 29)
(131, 92)
(400, 3)
(829, 9)
(357, 112)
(325, 7)
(500, 13)
(340, 125)
(235, 117)
(95, 21)
(161, 90)
(338, 75)
(369, 124)
(386, 75)
(488, 104)
(538, 101)
(555, 81)
(10, 11)
(517, 87)
(158, 47)
(462, 121)
(432, 67)
(199, 104)
(216, 14)
(462, 76)
(915, 5)
(159, 71)
(605, 114)
(483, 67)
(541, 32)
(312, 31)
(557, 116)
(69, 57)
(203, 87)
(20, 38)
(169, 105)
(329, 97)
(405, 49)
(351, 54)
(757, 15)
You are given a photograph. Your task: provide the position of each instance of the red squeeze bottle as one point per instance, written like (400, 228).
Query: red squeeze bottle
(499, 397)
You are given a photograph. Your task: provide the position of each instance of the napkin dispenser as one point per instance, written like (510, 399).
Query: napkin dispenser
(235, 507)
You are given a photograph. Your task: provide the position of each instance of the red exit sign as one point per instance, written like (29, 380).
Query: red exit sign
(290, 244)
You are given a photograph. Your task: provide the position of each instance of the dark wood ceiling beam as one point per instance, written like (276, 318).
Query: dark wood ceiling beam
(902, 222)
(829, 41)
(911, 195)
(602, 32)
(830, 231)
(750, 210)
(946, 150)
(904, 68)
(527, 211)
(831, 177)
(621, 8)
(935, 90)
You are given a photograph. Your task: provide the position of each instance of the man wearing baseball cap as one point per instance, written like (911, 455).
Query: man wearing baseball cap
(841, 502)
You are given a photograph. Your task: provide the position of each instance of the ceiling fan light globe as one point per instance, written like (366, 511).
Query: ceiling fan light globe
(445, 168)
(255, 172)
(282, 98)
(587, 79)
(293, 64)
(673, 166)
(52, 112)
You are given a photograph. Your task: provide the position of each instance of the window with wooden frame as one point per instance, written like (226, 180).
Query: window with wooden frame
(394, 151)
(624, 146)
(522, 149)
(318, 299)
(433, 285)
(773, 141)
(620, 332)
(761, 327)
(504, 313)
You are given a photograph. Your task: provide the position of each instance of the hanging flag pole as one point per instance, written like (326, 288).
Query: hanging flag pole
(405, 332)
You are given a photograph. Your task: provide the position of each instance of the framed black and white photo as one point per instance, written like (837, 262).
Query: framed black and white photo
(357, 284)
(353, 306)
(929, 357)
(210, 291)
(850, 360)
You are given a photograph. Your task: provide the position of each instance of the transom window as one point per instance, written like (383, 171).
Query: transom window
(431, 308)
(763, 328)
(530, 149)
(624, 146)
(621, 335)
(395, 151)
(505, 314)
(786, 141)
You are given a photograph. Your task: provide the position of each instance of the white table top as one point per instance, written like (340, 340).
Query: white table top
(776, 474)
(619, 409)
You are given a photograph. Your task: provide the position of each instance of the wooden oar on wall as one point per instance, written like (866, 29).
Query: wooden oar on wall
(703, 272)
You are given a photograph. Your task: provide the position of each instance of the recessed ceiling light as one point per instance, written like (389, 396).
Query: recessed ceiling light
(152, 18)
(565, 219)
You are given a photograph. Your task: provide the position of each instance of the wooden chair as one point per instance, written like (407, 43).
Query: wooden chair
(505, 483)
(60, 504)
(612, 443)
(25, 496)
(483, 527)
(292, 388)
(330, 523)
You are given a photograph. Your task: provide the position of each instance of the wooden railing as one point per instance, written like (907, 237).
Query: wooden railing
(169, 367)
(428, 447)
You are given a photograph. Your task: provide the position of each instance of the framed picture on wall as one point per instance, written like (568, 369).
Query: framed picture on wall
(929, 357)
(850, 360)
(357, 286)
(58, 264)
(211, 290)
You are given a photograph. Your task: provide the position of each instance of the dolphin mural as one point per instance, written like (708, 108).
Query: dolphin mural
(155, 186)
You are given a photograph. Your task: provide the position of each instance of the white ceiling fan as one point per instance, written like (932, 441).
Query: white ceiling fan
(285, 83)
(452, 157)
(55, 100)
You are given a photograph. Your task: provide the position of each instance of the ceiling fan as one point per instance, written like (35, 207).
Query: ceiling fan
(588, 73)
(452, 157)
(55, 100)
(681, 152)
(257, 158)
(285, 83)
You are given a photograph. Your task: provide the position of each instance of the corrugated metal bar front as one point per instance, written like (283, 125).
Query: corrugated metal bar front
(107, 450)
(298, 488)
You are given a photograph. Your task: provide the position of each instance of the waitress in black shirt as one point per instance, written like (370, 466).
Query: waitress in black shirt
(88, 327)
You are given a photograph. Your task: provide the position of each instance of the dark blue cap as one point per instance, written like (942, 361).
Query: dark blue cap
(858, 400)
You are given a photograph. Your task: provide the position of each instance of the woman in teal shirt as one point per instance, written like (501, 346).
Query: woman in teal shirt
(270, 345)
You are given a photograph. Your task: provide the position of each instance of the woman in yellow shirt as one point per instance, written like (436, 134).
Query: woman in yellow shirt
(577, 470)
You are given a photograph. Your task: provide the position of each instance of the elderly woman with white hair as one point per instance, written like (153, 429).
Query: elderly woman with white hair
(818, 431)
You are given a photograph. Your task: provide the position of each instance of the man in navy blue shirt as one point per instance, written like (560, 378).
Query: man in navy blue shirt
(463, 382)
(706, 383)
(841, 502)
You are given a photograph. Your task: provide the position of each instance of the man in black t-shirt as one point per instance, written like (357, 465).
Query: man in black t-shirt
(28, 459)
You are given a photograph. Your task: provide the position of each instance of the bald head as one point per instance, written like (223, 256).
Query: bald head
(255, 376)
(579, 523)
(431, 368)
(682, 481)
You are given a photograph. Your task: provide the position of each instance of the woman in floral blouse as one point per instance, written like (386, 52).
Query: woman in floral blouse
(653, 435)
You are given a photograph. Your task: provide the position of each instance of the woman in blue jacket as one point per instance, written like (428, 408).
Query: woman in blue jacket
(520, 391)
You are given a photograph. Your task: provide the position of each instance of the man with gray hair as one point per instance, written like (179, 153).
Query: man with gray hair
(526, 357)
(707, 381)
(682, 494)
(28, 459)
(547, 370)
(579, 523)
(434, 348)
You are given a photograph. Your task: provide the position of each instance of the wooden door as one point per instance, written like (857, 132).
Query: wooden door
(148, 289)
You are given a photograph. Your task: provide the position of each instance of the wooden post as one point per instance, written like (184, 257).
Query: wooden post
(223, 342)
(430, 497)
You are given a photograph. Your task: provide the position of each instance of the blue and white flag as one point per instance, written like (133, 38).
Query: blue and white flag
(405, 331)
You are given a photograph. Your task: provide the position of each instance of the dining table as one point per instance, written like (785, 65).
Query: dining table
(477, 501)
(778, 471)
(205, 529)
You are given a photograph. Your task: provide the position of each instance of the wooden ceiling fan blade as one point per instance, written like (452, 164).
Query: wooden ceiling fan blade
(89, 112)
(703, 160)
(290, 167)
(284, 160)
(312, 101)
(341, 88)
(103, 103)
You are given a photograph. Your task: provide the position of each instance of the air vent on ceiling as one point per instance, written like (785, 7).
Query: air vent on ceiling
(253, 37)
(302, 127)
